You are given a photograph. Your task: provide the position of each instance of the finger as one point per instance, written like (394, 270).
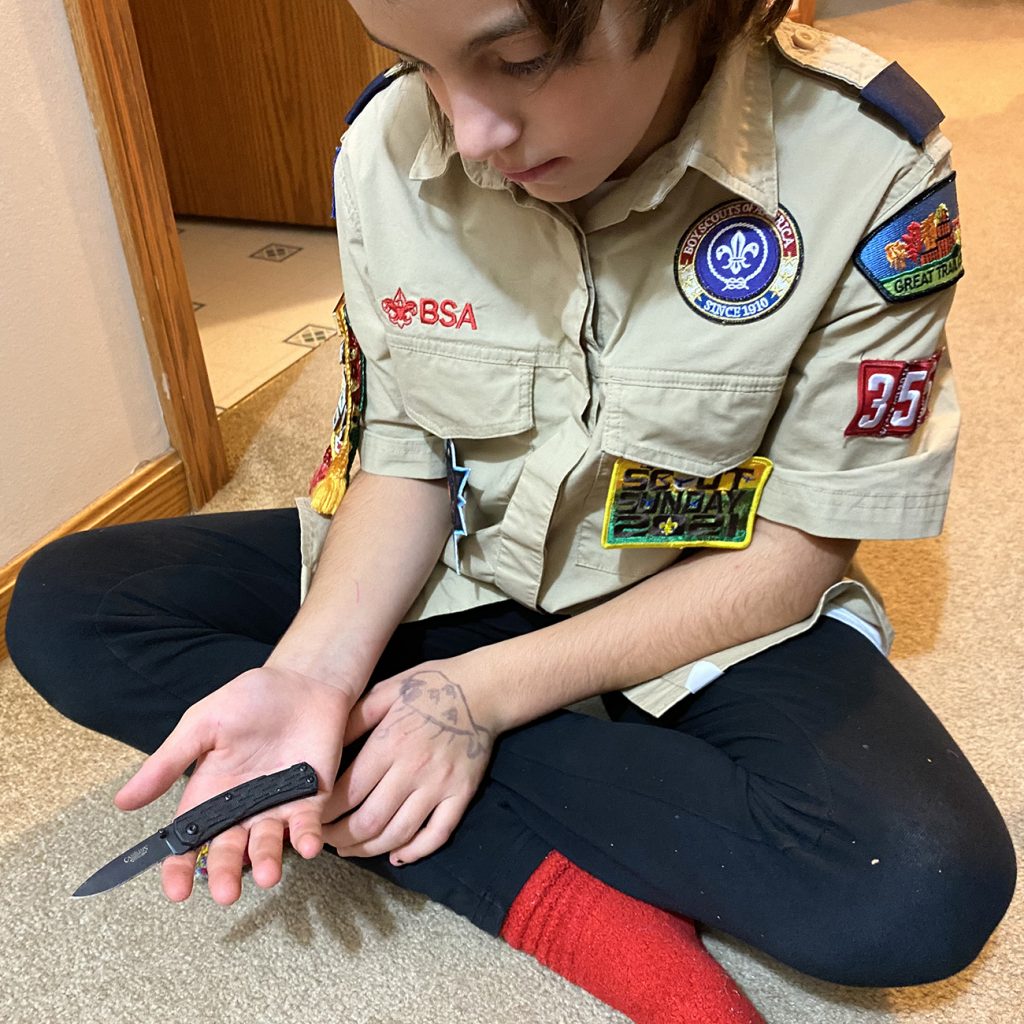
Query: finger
(356, 783)
(164, 766)
(224, 865)
(373, 815)
(437, 832)
(403, 826)
(305, 831)
(368, 712)
(266, 840)
(176, 876)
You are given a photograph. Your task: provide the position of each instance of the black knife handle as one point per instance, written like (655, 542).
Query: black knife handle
(208, 819)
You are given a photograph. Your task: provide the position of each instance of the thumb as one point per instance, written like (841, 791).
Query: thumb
(163, 767)
(370, 710)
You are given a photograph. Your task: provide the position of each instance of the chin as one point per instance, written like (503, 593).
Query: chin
(559, 193)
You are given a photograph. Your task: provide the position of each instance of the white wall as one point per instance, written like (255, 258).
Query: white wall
(78, 406)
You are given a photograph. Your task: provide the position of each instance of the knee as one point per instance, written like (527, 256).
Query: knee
(29, 619)
(953, 920)
(939, 933)
(928, 920)
(49, 623)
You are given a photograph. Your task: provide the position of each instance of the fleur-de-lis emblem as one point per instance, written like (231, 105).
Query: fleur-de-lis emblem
(738, 252)
(400, 310)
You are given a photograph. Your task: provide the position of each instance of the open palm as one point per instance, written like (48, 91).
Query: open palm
(262, 721)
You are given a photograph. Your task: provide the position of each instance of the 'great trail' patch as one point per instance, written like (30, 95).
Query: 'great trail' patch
(736, 264)
(658, 508)
(917, 251)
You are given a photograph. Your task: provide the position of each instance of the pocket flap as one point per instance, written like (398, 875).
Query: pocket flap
(465, 392)
(695, 423)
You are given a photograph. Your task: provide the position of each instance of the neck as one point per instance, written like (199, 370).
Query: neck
(684, 88)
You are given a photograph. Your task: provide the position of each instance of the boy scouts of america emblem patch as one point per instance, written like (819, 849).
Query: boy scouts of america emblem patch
(737, 264)
(649, 507)
(917, 251)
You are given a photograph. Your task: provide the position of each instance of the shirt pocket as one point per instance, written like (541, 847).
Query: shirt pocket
(697, 424)
(481, 398)
(465, 391)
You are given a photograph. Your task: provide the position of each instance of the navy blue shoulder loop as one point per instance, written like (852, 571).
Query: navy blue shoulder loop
(895, 93)
(334, 191)
(379, 84)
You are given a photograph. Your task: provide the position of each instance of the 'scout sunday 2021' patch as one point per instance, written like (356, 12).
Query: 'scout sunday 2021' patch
(648, 507)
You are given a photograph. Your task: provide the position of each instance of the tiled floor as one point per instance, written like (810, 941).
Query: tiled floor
(264, 295)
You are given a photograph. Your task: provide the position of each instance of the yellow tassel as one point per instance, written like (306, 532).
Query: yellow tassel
(327, 494)
(329, 491)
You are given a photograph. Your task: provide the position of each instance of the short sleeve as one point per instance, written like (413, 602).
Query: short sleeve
(391, 443)
(864, 436)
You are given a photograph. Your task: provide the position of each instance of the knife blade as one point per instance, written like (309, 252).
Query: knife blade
(204, 821)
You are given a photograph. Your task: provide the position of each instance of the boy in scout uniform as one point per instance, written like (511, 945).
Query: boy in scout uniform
(643, 331)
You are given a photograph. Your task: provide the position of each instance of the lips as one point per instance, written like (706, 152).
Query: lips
(525, 170)
(530, 173)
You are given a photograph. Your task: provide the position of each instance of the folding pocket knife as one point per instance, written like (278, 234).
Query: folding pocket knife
(192, 829)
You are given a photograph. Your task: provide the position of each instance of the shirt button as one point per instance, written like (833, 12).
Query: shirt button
(805, 38)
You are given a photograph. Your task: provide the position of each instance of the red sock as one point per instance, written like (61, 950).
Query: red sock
(644, 962)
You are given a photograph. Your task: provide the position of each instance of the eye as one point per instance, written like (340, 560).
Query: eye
(523, 69)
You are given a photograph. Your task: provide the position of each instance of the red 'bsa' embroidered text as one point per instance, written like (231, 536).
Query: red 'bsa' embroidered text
(893, 397)
(430, 312)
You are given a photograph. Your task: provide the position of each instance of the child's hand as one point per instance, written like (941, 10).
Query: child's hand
(262, 721)
(424, 760)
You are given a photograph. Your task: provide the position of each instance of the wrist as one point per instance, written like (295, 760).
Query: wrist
(485, 689)
(331, 661)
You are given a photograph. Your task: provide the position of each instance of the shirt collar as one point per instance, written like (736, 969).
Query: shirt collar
(734, 143)
(433, 159)
(728, 135)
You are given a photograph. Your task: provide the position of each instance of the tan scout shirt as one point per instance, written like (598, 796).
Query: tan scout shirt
(547, 346)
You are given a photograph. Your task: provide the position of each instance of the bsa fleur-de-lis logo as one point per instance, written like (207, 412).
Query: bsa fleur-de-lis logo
(399, 309)
(737, 253)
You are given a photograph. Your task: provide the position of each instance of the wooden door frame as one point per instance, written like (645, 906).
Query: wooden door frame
(803, 11)
(115, 85)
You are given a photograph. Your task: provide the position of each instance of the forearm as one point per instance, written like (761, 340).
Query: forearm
(381, 547)
(704, 604)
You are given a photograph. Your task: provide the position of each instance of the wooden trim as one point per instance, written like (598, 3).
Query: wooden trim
(157, 491)
(108, 56)
(803, 11)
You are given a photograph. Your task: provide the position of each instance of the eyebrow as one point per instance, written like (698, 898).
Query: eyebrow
(513, 25)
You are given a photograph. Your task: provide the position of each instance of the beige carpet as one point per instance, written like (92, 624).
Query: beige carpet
(333, 944)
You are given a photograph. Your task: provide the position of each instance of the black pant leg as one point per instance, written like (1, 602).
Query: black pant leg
(744, 808)
(122, 629)
(125, 627)
(807, 802)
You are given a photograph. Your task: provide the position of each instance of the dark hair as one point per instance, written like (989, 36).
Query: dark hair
(568, 23)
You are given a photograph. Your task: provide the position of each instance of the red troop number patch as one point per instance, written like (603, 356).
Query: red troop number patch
(893, 397)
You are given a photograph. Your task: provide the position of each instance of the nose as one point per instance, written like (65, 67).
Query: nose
(481, 127)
